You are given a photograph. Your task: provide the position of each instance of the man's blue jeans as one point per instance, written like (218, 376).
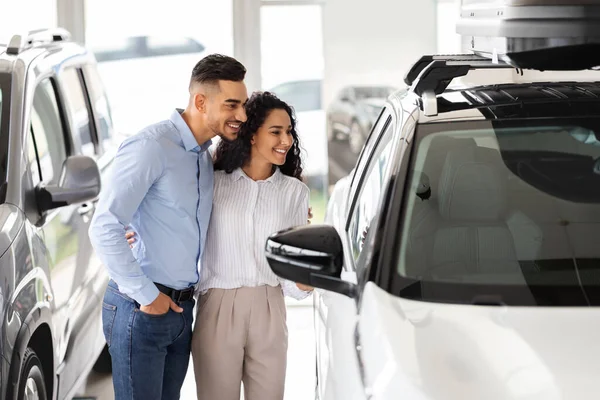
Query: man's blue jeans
(150, 354)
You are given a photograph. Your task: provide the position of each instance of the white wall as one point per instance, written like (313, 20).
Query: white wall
(375, 41)
(20, 16)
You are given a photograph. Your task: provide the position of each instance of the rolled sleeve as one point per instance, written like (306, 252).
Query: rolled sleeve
(137, 165)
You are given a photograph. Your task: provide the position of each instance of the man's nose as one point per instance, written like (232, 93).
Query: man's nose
(241, 115)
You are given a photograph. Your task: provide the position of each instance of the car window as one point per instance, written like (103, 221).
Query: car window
(79, 116)
(513, 212)
(366, 204)
(101, 108)
(47, 135)
(379, 128)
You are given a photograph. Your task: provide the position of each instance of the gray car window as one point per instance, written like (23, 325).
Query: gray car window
(370, 192)
(46, 135)
(514, 211)
(101, 107)
(380, 126)
(78, 111)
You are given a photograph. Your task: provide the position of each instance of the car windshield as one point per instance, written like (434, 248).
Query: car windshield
(506, 212)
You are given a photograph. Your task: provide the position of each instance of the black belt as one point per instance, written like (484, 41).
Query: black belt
(176, 295)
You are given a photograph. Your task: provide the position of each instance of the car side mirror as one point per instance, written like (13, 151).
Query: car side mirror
(79, 181)
(312, 255)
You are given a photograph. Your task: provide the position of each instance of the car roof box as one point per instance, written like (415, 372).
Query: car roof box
(533, 34)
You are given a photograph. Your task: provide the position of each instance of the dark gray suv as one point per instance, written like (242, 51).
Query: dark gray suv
(56, 138)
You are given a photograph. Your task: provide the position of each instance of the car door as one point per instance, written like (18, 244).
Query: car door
(55, 114)
(48, 148)
(335, 314)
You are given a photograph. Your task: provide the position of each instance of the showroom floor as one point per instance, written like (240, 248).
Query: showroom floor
(300, 381)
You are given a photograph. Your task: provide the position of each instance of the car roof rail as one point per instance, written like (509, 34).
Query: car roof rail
(431, 75)
(20, 42)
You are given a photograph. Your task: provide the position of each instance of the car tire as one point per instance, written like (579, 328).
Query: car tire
(356, 138)
(104, 362)
(31, 380)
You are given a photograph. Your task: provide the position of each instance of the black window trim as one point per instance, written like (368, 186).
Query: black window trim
(6, 88)
(68, 145)
(355, 193)
(85, 74)
(92, 122)
(384, 110)
(90, 110)
(60, 103)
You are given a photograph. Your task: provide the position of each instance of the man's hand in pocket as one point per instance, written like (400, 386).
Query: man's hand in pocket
(161, 305)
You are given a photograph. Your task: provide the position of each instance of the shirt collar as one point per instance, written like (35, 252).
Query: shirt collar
(188, 140)
(239, 173)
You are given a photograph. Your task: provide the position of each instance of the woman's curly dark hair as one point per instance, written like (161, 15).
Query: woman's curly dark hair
(232, 155)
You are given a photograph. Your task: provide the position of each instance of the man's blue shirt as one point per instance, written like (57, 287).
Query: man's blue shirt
(161, 186)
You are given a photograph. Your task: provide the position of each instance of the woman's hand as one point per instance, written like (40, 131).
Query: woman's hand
(306, 288)
(130, 236)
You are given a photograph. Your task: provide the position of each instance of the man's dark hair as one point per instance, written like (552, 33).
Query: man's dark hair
(217, 67)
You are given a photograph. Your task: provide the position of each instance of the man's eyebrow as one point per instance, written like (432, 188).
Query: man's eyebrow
(233, 101)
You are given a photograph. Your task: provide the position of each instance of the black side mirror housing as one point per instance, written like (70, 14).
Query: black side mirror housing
(79, 181)
(312, 255)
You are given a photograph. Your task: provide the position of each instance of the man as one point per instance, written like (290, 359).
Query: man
(162, 186)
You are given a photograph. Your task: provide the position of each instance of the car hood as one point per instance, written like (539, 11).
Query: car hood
(433, 351)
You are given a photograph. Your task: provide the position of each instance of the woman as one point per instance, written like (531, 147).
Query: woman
(240, 333)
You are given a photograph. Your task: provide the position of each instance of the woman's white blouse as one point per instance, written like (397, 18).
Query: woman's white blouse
(244, 214)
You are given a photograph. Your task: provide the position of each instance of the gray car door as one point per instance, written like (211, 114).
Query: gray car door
(64, 230)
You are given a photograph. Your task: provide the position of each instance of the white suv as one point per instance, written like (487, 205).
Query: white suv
(460, 260)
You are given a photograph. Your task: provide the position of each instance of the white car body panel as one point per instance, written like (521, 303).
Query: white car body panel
(428, 351)
(417, 350)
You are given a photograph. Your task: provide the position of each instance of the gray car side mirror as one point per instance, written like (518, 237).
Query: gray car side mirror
(79, 181)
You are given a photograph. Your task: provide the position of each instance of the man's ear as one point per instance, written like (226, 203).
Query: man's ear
(200, 101)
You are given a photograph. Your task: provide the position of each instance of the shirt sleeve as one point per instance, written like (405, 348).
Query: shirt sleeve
(291, 290)
(138, 163)
(299, 217)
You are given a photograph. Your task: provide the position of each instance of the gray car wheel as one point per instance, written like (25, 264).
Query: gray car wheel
(31, 381)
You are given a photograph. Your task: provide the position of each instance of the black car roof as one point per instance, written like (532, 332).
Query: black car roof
(525, 100)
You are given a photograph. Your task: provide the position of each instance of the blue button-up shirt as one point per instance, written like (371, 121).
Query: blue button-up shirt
(162, 187)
